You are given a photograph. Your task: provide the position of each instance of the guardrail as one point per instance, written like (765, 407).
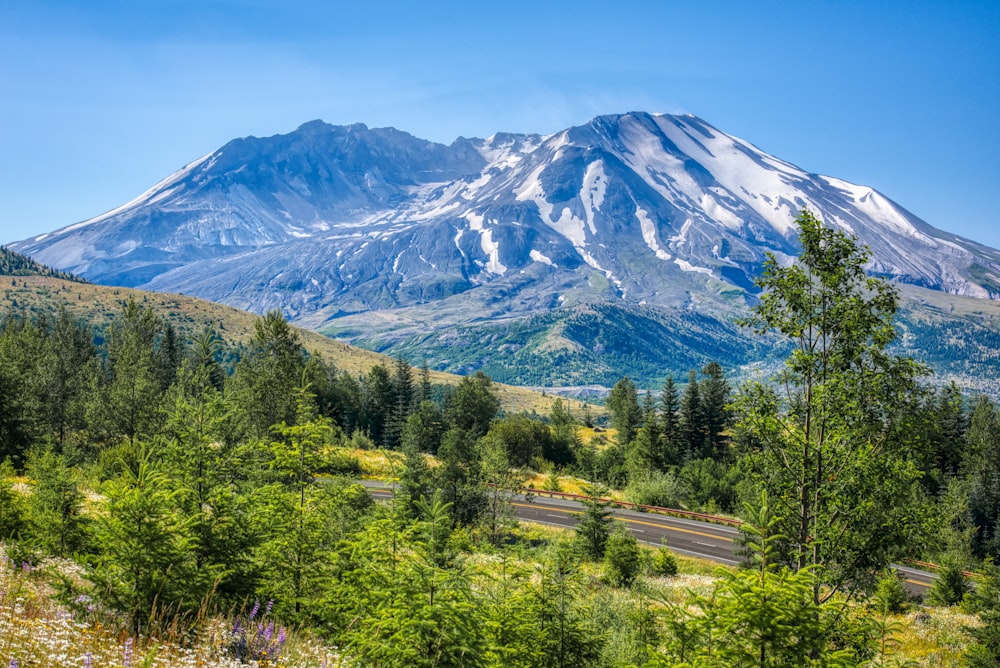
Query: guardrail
(674, 512)
(928, 566)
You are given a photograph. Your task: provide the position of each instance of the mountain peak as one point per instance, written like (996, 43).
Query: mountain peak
(634, 207)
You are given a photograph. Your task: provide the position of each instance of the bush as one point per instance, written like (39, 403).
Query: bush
(656, 488)
(949, 587)
(622, 558)
(664, 562)
(890, 594)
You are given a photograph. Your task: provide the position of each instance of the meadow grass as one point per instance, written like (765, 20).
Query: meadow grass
(37, 631)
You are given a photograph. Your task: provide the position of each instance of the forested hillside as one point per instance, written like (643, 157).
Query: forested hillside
(156, 483)
(15, 264)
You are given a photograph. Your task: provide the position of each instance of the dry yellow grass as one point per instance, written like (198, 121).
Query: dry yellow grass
(99, 305)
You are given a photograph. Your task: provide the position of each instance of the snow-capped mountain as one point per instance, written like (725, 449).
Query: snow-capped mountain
(377, 231)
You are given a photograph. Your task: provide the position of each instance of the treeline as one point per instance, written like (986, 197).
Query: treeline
(15, 264)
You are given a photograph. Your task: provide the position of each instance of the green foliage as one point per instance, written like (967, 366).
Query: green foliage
(762, 616)
(11, 504)
(656, 488)
(983, 466)
(265, 380)
(145, 561)
(829, 439)
(949, 586)
(127, 390)
(424, 428)
(525, 439)
(15, 264)
(594, 527)
(626, 417)
(502, 483)
(890, 595)
(472, 405)
(622, 558)
(664, 562)
(55, 523)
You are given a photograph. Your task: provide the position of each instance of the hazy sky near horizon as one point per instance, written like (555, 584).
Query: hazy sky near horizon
(101, 99)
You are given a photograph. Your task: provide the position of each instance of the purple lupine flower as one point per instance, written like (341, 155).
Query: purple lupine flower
(254, 610)
(13, 664)
(88, 660)
(267, 608)
(127, 653)
(281, 636)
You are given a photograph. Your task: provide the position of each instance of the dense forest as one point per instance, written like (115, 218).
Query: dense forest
(187, 479)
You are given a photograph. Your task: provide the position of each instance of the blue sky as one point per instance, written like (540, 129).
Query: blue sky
(99, 99)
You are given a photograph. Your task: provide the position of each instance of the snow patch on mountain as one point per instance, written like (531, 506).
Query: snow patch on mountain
(649, 233)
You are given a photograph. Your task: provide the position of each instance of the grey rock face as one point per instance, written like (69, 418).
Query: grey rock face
(646, 210)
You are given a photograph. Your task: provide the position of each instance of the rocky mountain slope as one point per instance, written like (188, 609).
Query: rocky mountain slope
(520, 244)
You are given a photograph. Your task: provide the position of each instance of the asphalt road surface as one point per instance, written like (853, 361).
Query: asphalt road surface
(694, 538)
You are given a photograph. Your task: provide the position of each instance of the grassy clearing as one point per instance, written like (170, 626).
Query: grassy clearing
(37, 631)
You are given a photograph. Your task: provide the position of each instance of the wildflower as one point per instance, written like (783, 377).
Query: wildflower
(267, 609)
(253, 611)
(13, 663)
(127, 653)
(88, 660)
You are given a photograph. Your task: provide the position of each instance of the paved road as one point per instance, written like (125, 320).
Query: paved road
(690, 537)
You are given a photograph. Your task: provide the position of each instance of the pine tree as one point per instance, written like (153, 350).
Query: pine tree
(623, 402)
(714, 400)
(691, 420)
(145, 562)
(126, 397)
(56, 524)
(669, 423)
(594, 526)
(265, 380)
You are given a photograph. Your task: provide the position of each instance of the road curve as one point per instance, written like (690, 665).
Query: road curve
(689, 537)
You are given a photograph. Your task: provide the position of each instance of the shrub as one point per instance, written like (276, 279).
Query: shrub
(890, 594)
(664, 562)
(622, 558)
(656, 488)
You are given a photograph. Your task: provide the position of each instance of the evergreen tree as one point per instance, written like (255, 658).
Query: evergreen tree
(56, 524)
(669, 423)
(127, 392)
(623, 403)
(145, 562)
(378, 402)
(425, 383)
(561, 448)
(714, 400)
(691, 420)
(403, 395)
(205, 468)
(459, 476)
(983, 470)
(265, 380)
(594, 526)
(65, 375)
(204, 355)
(622, 557)
(424, 428)
(472, 405)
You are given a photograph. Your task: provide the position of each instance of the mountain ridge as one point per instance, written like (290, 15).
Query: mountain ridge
(352, 230)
